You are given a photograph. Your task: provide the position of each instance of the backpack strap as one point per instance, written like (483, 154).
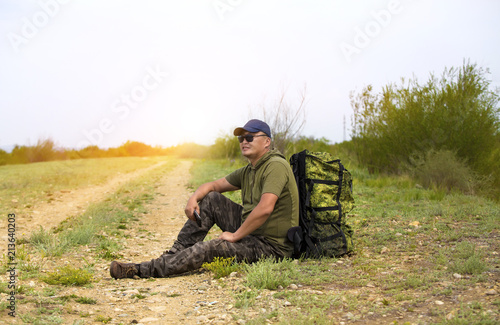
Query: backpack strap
(341, 176)
(296, 236)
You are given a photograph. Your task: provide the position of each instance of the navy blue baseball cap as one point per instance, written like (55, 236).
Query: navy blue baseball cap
(254, 126)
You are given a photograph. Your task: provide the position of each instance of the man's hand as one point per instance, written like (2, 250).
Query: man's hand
(221, 185)
(190, 207)
(228, 236)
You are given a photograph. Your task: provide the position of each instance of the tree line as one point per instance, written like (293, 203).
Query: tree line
(224, 147)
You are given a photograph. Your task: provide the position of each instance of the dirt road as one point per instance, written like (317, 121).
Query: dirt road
(74, 202)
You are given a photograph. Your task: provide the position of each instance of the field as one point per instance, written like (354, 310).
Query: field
(421, 256)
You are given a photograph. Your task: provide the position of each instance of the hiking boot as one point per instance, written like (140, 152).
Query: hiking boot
(119, 270)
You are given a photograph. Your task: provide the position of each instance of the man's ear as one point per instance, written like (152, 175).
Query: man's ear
(268, 143)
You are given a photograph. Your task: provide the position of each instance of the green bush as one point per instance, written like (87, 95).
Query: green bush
(457, 112)
(443, 170)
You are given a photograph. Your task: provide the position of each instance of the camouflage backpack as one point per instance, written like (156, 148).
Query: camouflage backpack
(325, 197)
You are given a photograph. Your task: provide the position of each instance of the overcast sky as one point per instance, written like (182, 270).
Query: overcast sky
(166, 72)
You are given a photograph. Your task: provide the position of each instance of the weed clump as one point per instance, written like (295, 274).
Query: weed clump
(48, 243)
(222, 267)
(68, 276)
(268, 274)
(468, 260)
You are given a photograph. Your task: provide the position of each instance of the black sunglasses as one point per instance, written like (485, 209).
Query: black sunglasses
(249, 137)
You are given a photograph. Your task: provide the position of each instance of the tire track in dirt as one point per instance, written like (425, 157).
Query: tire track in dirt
(74, 202)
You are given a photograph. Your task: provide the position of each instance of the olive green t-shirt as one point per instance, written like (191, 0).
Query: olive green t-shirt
(271, 174)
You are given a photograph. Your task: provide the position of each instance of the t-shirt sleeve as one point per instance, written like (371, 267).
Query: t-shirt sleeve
(275, 178)
(235, 177)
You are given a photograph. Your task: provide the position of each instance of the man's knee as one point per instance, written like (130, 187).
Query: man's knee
(213, 199)
(213, 196)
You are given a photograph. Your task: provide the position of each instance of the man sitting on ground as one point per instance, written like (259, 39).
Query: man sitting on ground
(256, 229)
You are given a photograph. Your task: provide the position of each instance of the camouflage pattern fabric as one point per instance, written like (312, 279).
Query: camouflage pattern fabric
(189, 251)
(323, 166)
(324, 204)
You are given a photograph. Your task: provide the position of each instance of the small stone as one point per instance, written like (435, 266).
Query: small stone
(384, 250)
(415, 224)
(148, 320)
(438, 302)
(202, 319)
(457, 276)
(491, 292)
(293, 286)
(233, 274)
(287, 303)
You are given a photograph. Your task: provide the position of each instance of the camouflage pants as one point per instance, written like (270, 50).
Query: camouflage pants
(190, 251)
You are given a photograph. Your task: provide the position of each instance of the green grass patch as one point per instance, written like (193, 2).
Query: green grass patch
(68, 276)
(269, 274)
(86, 300)
(103, 319)
(47, 243)
(221, 267)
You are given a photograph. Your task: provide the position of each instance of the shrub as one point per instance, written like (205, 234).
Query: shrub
(443, 170)
(457, 111)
